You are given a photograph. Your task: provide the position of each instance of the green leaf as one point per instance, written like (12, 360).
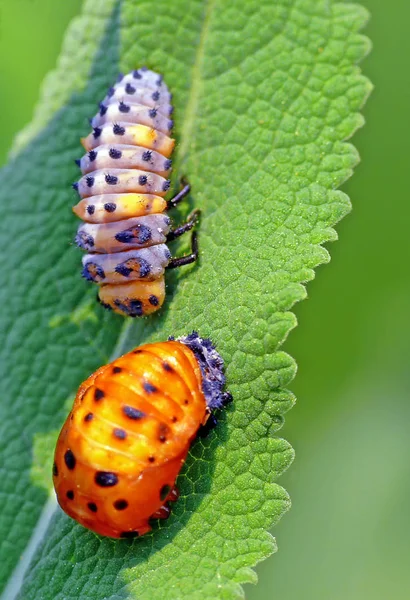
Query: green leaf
(266, 95)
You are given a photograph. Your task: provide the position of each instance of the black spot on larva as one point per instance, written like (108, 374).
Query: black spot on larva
(114, 153)
(92, 155)
(167, 164)
(110, 92)
(155, 96)
(106, 479)
(153, 300)
(145, 269)
(159, 80)
(92, 272)
(147, 155)
(170, 124)
(69, 460)
(84, 240)
(97, 132)
(88, 417)
(142, 179)
(152, 113)
(136, 74)
(110, 207)
(121, 269)
(133, 308)
(120, 77)
(129, 89)
(92, 506)
(90, 209)
(116, 369)
(167, 254)
(89, 180)
(75, 186)
(144, 69)
(120, 504)
(103, 109)
(167, 367)
(119, 433)
(118, 130)
(70, 495)
(78, 161)
(133, 413)
(111, 179)
(151, 459)
(139, 233)
(55, 470)
(166, 185)
(124, 108)
(129, 534)
(149, 388)
(164, 492)
(98, 394)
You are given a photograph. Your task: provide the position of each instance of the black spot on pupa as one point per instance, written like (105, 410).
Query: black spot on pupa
(129, 89)
(153, 300)
(116, 369)
(167, 367)
(119, 433)
(92, 155)
(129, 534)
(133, 413)
(152, 113)
(89, 180)
(155, 96)
(106, 479)
(147, 155)
(110, 207)
(103, 109)
(88, 417)
(167, 164)
(164, 492)
(120, 504)
(118, 129)
(92, 506)
(149, 388)
(55, 470)
(98, 394)
(174, 419)
(132, 308)
(69, 460)
(70, 495)
(124, 108)
(151, 459)
(142, 179)
(163, 430)
(166, 185)
(111, 179)
(97, 132)
(114, 153)
(90, 209)
(136, 74)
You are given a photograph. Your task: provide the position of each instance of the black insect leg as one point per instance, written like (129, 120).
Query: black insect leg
(189, 258)
(180, 196)
(192, 219)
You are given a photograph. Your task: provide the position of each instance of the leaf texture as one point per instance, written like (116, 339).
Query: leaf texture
(266, 95)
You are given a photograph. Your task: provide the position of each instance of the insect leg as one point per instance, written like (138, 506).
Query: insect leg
(192, 219)
(181, 195)
(179, 261)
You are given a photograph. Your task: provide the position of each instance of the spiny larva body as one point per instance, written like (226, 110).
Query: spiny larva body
(129, 431)
(125, 178)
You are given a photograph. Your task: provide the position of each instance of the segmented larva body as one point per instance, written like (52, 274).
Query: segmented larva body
(125, 178)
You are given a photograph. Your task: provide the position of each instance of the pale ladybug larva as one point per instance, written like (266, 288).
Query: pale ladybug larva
(122, 194)
(129, 431)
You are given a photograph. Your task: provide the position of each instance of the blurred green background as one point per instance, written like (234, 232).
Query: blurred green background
(347, 535)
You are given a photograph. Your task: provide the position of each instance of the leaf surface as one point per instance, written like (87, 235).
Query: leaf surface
(266, 95)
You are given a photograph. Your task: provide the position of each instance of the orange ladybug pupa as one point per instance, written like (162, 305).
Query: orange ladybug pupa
(124, 180)
(129, 431)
